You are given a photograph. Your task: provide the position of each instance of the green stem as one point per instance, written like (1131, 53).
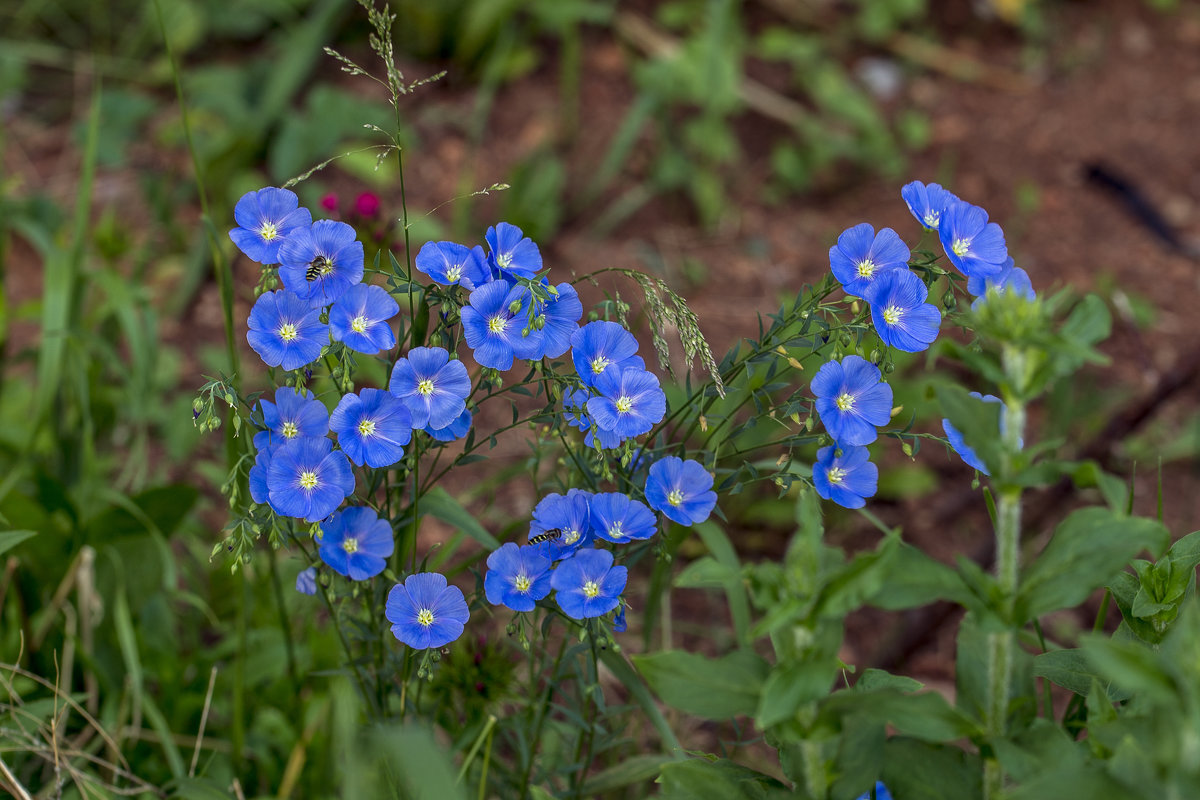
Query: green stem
(284, 626)
(1002, 645)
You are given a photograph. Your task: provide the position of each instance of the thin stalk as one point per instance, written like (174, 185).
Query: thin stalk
(238, 735)
(284, 625)
(541, 711)
(1002, 645)
(583, 753)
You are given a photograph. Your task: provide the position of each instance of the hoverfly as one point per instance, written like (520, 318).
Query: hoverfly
(319, 266)
(552, 535)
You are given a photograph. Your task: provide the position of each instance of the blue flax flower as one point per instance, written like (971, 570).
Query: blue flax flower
(560, 318)
(927, 202)
(292, 416)
(575, 408)
(1009, 279)
(453, 264)
(266, 219)
(682, 490)
(861, 255)
(320, 263)
(512, 251)
(285, 331)
(425, 612)
(972, 244)
(308, 479)
(497, 327)
(359, 319)
(629, 404)
(902, 318)
(601, 347)
(881, 793)
(847, 479)
(372, 427)
(618, 518)
(959, 444)
(455, 430)
(260, 492)
(306, 581)
(432, 385)
(619, 624)
(356, 543)
(517, 577)
(852, 400)
(588, 584)
(568, 514)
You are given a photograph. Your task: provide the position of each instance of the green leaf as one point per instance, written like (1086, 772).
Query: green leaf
(1132, 666)
(874, 680)
(637, 769)
(634, 684)
(735, 591)
(717, 688)
(1044, 747)
(852, 586)
(698, 779)
(914, 579)
(930, 772)
(10, 539)
(1070, 669)
(438, 504)
(1088, 549)
(977, 421)
(705, 573)
(1125, 588)
(198, 789)
(927, 716)
(790, 686)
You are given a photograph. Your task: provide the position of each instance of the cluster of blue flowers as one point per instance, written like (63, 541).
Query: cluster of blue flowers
(586, 582)
(851, 398)
(510, 312)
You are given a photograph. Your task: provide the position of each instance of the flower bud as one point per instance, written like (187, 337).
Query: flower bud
(949, 301)
(514, 306)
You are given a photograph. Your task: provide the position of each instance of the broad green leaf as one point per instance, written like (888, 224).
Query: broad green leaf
(859, 758)
(1088, 549)
(977, 421)
(789, 686)
(929, 771)
(926, 716)
(634, 684)
(10, 539)
(1085, 780)
(914, 579)
(1131, 666)
(699, 779)
(704, 573)
(735, 591)
(863, 578)
(1043, 747)
(873, 680)
(1124, 588)
(438, 504)
(186, 788)
(717, 688)
(637, 769)
(1070, 669)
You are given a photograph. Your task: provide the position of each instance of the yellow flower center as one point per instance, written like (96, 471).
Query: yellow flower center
(366, 427)
(961, 247)
(268, 231)
(624, 404)
(845, 401)
(931, 219)
(497, 324)
(308, 480)
(453, 274)
(350, 545)
(866, 268)
(425, 387)
(615, 531)
(591, 589)
(287, 331)
(599, 364)
(522, 583)
(425, 617)
(570, 537)
(504, 259)
(835, 475)
(892, 315)
(675, 497)
(290, 430)
(359, 324)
